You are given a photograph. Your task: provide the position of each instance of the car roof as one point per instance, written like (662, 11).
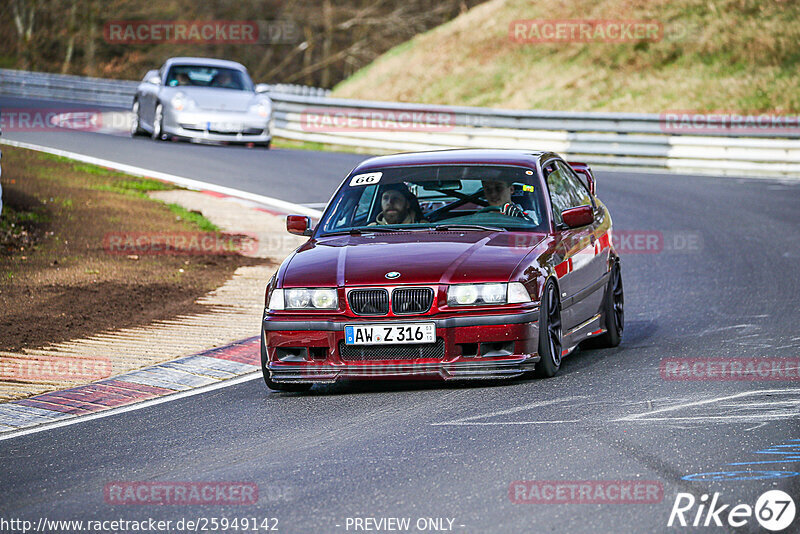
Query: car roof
(470, 156)
(205, 61)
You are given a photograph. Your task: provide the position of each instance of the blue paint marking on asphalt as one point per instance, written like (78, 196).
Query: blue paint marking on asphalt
(740, 475)
(789, 456)
(766, 462)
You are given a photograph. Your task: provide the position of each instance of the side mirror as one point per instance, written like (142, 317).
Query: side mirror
(298, 225)
(577, 217)
(155, 79)
(262, 87)
(590, 182)
(586, 175)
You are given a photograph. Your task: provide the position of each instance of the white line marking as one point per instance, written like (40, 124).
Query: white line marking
(131, 407)
(641, 416)
(508, 411)
(281, 205)
(473, 423)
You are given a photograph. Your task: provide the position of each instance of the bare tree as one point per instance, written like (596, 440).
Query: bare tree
(23, 12)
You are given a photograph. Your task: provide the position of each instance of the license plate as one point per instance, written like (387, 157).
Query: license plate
(225, 126)
(389, 334)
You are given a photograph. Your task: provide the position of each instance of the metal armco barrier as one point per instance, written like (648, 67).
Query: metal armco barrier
(634, 140)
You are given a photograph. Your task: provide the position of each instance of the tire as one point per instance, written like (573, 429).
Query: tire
(158, 123)
(136, 129)
(297, 388)
(550, 347)
(265, 145)
(613, 311)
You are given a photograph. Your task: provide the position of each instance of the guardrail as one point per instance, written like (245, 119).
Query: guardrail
(633, 140)
(101, 91)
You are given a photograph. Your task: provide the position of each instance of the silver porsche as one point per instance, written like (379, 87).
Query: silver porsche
(201, 99)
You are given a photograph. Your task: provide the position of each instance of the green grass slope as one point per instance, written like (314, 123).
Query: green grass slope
(722, 55)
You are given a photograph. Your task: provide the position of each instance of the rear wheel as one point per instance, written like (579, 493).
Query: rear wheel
(613, 310)
(274, 385)
(549, 332)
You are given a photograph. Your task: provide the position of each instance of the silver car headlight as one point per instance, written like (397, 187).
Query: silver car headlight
(487, 294)
(181, 102)
(263, 108)
(304, 299)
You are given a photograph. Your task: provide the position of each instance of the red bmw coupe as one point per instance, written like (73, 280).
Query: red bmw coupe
(454, 264)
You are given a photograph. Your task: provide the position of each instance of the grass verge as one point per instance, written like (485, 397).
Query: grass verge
(58, 279)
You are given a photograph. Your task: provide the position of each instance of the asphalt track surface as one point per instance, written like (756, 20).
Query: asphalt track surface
(432, 450)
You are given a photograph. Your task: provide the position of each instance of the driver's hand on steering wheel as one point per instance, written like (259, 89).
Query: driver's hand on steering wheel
(512, 210)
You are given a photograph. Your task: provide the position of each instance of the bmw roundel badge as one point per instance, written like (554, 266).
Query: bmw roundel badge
(392, 275)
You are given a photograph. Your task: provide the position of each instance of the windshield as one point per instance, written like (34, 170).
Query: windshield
(203, 76)
(430, 196)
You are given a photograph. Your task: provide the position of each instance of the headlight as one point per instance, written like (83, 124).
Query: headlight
(487, 294)
(180, 102)
(304, 299)
(263, 107)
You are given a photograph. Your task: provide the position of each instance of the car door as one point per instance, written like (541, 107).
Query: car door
(578, 266)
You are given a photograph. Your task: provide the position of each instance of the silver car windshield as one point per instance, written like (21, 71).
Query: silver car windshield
(423, 197)
(206, 76)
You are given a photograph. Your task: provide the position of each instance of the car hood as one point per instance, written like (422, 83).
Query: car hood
(439, 257)
(209, 98)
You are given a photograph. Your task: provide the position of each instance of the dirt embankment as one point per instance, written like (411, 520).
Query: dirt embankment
(59, 278)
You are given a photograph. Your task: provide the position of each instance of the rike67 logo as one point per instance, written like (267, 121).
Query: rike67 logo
(774, 510)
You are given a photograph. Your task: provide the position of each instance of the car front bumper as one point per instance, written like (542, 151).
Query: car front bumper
(217, 126)
(475, 347)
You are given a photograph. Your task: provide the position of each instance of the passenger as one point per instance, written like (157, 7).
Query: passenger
(498, 193)
(398, 206)
(183, 79)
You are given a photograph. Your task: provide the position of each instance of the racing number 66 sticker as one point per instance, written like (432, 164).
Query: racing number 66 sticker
(775, 510)
(366, 179)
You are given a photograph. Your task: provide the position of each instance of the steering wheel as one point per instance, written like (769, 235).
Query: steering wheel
(490, 208)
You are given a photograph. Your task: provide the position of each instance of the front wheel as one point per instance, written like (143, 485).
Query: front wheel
(549, 332)
(158, 123)
(136, 128)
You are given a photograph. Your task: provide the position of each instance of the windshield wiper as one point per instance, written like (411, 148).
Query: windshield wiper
(468, 227)
(359, 231)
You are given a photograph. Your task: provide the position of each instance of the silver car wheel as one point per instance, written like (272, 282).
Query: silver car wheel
(158, 118)
(135, 129)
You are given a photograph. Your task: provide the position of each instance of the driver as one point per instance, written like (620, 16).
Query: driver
(224, 79)
(398, 206)
(498, 193)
